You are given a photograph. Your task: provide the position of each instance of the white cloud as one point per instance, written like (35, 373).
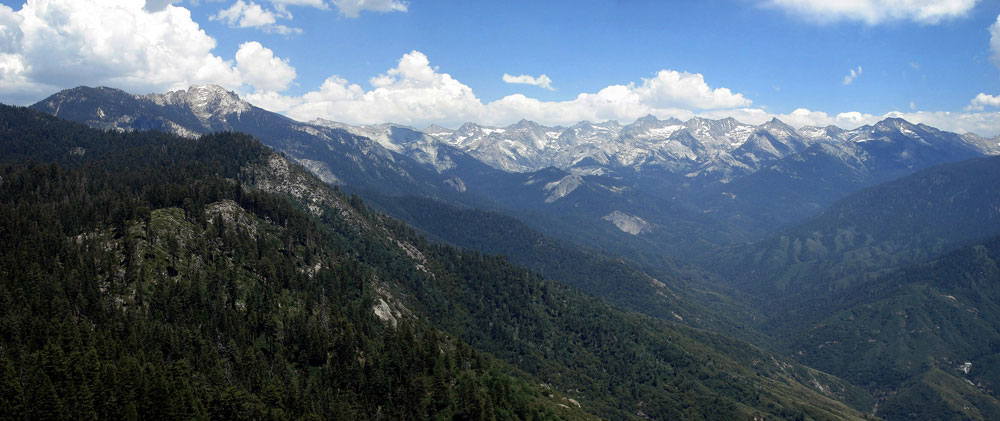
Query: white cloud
(251, 15)
(682, 89)
(261, 69)
(995, 41)
(542, 81)
(983, 100)
(874, 12)
(353, 8)
(48, 45)
(54, 44)
(854, 73)
(416, 93)
(413, 92)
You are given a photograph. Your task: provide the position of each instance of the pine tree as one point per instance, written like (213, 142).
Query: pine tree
(11, 393)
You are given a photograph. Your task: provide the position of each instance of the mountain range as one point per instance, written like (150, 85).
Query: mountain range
(840, 250)
(669, 182)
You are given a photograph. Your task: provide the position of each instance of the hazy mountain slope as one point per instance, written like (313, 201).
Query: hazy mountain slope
(892, 224)
(833, 166)
(679, 295)
(217, 271)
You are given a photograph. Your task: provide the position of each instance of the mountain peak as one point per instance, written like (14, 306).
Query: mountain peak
(649, 118)
(205, 101)
(894, 123)
(469, 127)
(775, 125)
(525, 124)
(434, 128)
(774, 121)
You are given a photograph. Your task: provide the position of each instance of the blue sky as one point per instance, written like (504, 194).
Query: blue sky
(420, 62)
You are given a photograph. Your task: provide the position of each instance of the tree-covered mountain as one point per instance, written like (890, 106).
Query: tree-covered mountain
(142, 278)
(926, 337)
(797, 239)
(680, 293)
(870, 290)
(152, 276)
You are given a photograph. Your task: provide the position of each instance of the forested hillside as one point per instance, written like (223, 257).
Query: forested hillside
(930, 332)
(142, 279)
(149, 276)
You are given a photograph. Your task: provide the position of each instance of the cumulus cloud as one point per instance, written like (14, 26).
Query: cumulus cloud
(542, 81)
(416, 93)
(353, 8)
(55, 44)
(874, 12)
(853, 74)
(412, 92)
(671, 88)
(50, 44)
(260, 68)
(983, 100)
(251, 15)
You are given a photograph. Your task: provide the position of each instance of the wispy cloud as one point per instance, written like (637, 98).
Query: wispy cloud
(873, 12)
(542, 81)
(995, 41)
(353, 8)
(852, 75)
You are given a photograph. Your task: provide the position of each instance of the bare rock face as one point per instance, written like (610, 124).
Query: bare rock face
(205, 101)
(627, 223)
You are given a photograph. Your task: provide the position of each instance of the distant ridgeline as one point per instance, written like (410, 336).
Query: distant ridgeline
(151, 276)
